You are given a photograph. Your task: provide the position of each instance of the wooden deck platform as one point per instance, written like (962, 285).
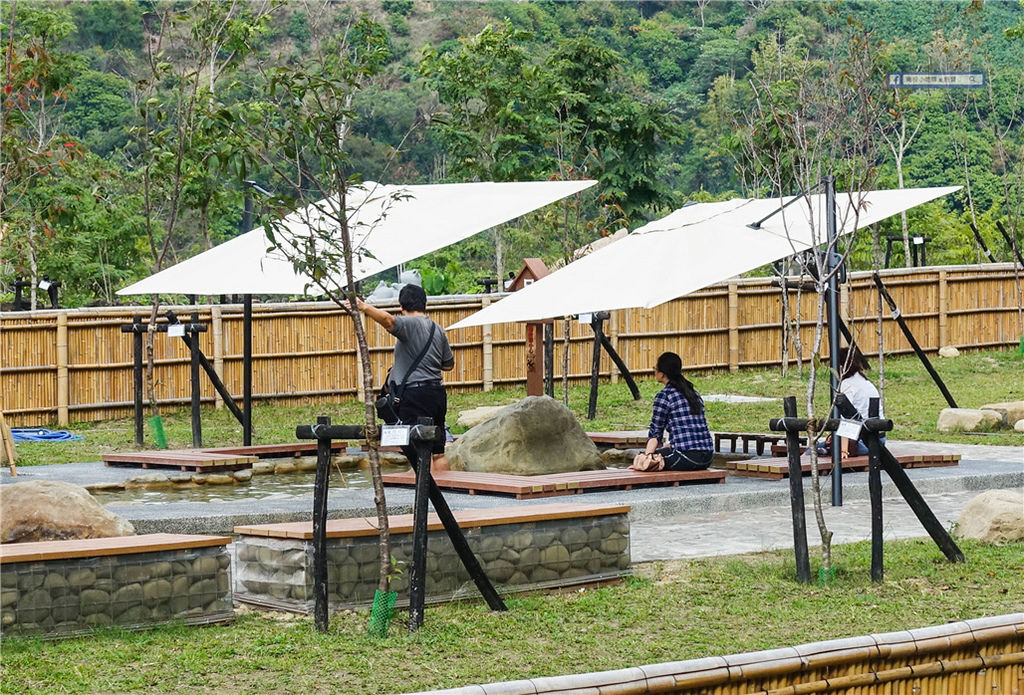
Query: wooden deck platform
(778, 468)
(227, 458)
(554, 484)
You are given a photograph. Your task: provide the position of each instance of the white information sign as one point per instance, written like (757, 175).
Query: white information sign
(44, 285)
(394, 435)
(176, 330)
(849, 429)
(585, 318)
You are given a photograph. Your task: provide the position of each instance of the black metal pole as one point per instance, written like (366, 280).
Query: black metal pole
(418, 574)
(320, 486)
(137, 377)
(1014, 247)
(833, 333)
(247, 369)
(796, 496)
(623, 369)
(920, 507)
(913, 341)
(595, 365)
(981, 243)
(875, 493)
(197, 424)
(549, 359)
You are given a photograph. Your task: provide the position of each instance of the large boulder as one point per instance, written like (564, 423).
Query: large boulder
(968, 420)
(1012, 410)
(995, 516)
(47, 510)
(537, 435)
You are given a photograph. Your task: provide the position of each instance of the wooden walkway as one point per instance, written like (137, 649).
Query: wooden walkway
(778, 468)
(229, 458)
(554, 484)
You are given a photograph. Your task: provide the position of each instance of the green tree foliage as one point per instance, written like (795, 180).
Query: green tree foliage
(640, 95)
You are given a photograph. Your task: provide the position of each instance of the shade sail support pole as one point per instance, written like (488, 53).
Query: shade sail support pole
(247, 370)
(833, 332)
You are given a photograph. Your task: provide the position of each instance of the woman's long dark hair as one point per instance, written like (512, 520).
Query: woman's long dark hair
(671, 366)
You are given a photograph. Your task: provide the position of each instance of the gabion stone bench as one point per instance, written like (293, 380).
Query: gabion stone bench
(519, 548)
(60, 588)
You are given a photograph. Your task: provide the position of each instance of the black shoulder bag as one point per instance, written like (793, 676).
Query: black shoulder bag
(388, 399)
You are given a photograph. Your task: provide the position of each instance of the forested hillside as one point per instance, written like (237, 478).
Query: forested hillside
(130, 126)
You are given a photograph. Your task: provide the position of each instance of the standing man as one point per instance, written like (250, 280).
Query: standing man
(418, 386)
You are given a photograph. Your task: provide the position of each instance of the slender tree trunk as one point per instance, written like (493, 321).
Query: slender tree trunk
(151, 358)
(369, 414)
(566, 327)
(819, 516)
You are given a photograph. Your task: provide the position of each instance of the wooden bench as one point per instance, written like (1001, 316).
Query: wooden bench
(760, 441)
(554, 484)
(778, 468)
(58, 588)
(519, 548)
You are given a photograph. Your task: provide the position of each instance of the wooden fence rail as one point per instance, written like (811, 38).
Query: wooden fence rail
(63, 366)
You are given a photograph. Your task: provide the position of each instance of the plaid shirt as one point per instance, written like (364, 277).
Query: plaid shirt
(686, 432)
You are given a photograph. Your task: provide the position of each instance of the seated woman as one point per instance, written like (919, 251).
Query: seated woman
(859, 391)
(679, 409)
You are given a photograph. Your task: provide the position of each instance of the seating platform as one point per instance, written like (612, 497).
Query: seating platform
(229, 458)
(70, 587)
(519, 548)
(554, 484)
(745, 439)
(778, 468)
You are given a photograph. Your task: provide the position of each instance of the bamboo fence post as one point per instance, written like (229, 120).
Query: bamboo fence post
(943, 309)
(613, 337)
(63, 395)
(734, 333)
(488, 349)
(844, 305)
(360, 391)
(7, 445)
(218, 352)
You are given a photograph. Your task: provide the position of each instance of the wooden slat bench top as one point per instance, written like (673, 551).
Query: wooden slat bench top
(778, 468)
(186, 459)
(554, 484)
(402, 523)
(96, 547)
(620, 438)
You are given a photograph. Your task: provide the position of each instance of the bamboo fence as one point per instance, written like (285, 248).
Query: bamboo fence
(63, 366)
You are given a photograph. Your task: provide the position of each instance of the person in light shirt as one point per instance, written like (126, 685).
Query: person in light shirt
(859, 391)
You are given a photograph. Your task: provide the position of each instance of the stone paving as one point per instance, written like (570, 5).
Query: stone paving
(742, 515)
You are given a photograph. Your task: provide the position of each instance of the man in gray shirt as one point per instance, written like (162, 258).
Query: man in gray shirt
(423, 393)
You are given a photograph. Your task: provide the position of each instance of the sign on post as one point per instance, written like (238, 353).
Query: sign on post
(935, 80)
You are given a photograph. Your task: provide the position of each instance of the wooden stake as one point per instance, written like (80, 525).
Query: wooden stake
(7, 440)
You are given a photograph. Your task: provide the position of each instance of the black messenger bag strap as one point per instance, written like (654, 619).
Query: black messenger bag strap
(416, 362)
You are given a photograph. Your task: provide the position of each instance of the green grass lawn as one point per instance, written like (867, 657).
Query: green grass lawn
(912, 401)
(668, 611)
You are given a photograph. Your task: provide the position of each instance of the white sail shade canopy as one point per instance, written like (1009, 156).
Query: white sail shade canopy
(693, 247)
(390, 224)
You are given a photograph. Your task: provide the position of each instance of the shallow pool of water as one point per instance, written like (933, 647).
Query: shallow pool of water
(271, 486)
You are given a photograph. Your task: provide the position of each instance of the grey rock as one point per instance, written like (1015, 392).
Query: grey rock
(1012, 410)
(34, 606)
(948, 351)
(968, 420)
(46, 510)
(534, 436)
(995, 516)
